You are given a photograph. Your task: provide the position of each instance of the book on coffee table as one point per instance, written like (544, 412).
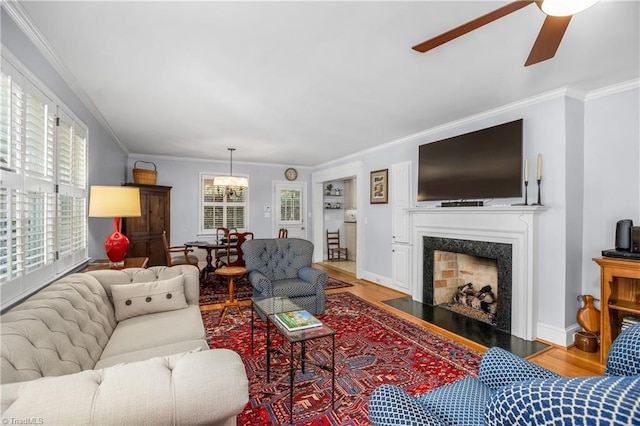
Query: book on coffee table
(297, 320)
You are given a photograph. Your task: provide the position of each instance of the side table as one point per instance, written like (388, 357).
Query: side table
(231, 272)
(129, 262)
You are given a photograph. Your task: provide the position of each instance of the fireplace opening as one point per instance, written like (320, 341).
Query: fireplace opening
(472, 278)
(466, 284)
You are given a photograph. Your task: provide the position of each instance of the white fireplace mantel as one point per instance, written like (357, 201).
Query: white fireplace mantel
(515, 225)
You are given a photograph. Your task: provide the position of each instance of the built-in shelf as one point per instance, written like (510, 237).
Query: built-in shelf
(333, 195)
(619, 291)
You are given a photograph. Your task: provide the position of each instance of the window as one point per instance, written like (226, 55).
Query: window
(290, 205)
(43, 185)
(220, 208)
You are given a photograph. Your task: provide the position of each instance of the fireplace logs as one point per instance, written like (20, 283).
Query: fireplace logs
(483, 300)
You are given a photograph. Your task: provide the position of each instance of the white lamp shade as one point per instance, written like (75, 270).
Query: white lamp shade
(230, 181)
(566, 7)
(114, 201)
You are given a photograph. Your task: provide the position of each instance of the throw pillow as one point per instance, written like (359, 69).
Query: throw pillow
(132, 300)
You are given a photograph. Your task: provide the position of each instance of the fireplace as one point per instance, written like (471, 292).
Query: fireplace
(484, 253)
(505, 233)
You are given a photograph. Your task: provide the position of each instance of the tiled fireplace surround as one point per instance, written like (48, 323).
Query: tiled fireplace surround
(504, 233)
(479, 249)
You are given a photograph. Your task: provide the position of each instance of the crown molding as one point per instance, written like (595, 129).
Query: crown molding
(138, 156)
(416, 137)
(613, 89)
(543, 97)
(17, 13)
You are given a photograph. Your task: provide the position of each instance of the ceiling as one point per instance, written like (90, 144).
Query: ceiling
(304, 83)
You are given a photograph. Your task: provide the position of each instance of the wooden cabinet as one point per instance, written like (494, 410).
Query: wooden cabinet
(350, 194)
(145, 232)
(351, 239)
(619, 296)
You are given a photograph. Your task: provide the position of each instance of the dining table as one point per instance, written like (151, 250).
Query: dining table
(209, 246)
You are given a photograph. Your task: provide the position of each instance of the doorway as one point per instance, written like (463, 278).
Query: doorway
(340, 215)
(290, 209)
(354, 173)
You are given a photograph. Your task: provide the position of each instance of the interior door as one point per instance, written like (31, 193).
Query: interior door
(290, 211)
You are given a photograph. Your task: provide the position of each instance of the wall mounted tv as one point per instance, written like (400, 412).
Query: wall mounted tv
(483, 164)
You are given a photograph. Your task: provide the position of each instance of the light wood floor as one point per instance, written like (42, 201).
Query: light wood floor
(566, 362)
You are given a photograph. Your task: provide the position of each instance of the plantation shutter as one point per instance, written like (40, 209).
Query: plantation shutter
(43, 224)
(27, 236)
(72, 156)
(222, 210)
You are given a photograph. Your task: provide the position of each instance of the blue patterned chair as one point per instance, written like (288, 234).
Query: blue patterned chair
(282, 267)
(512, 391)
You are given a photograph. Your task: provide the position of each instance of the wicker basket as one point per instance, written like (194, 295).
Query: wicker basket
(145, 176)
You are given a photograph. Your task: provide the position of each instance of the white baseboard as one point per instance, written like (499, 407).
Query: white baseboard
(382, 280)
(557, 336)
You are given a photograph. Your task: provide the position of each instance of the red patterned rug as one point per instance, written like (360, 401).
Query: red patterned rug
(217, 292)
(373, 347)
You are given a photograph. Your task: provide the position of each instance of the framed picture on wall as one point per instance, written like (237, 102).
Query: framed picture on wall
(379, 187)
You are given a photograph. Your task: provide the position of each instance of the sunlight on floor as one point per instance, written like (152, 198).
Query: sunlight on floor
(343, 265)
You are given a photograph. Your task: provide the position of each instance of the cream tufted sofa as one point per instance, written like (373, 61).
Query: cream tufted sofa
(66, 360)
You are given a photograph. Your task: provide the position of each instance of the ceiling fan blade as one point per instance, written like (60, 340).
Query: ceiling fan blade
(471, 25)
(549, 39)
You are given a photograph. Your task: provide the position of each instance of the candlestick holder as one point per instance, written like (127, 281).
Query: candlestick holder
(526, 196)
(539, 203)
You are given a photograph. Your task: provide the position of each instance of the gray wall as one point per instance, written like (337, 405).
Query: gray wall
(183, 176)
(107, 160)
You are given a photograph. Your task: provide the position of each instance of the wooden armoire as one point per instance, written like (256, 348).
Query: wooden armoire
(145, 232)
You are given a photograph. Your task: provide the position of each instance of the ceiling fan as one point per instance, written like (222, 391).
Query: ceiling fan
(559, 13)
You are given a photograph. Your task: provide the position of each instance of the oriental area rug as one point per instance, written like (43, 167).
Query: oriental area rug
(218, 291)
(372, 347)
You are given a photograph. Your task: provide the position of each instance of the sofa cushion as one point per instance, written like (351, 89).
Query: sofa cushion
(205, 387)
(292, 288)
(153, 330)
(132, 300)
(459, 403)
(569, 401)
(164, 350)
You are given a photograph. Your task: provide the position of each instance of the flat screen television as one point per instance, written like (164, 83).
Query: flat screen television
(479, 165)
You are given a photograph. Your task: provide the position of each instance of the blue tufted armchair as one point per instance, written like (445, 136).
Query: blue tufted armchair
(282, 267)
(512, 391)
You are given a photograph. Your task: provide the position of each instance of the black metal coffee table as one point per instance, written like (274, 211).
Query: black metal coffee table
(267, 308)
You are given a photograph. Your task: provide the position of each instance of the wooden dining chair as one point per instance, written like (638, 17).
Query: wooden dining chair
(334, 250)
(234, 247)
(184, 259)
(222, 236)
(283, 233)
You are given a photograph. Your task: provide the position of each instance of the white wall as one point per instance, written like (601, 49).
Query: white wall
(570, 134)
(611, 173)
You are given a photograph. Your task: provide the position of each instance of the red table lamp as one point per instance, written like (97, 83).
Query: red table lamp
(116, 202)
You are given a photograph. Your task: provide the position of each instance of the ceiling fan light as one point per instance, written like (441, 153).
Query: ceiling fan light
(566, 7)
